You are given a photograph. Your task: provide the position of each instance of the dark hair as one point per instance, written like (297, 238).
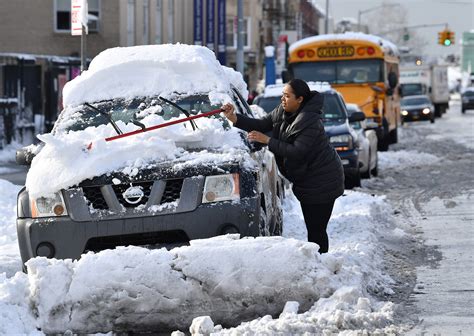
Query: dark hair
(300, 88)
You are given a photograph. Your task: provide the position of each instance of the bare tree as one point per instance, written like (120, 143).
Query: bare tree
(390, 22)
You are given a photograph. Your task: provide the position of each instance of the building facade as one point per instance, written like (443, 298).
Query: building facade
(38, 55)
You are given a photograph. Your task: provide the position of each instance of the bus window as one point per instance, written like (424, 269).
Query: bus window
(359, 71)
(315, 71)
(340, 72)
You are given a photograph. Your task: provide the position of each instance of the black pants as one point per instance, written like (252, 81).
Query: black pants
(316, 217)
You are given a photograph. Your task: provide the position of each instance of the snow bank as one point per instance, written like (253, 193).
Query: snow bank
(231, 280)
(151, 70)
(282, 282)
(9, 251)
(405, 159)
(8, 153)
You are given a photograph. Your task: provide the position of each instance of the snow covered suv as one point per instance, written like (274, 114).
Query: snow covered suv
(141, 156)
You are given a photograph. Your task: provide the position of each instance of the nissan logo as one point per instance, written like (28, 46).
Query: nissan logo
(133, 195)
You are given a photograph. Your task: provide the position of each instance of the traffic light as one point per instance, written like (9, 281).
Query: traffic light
(449, 38)
(441, 37)
(446, 37)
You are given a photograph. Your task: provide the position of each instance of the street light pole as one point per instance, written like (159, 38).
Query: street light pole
(326, 22)
(240, 37)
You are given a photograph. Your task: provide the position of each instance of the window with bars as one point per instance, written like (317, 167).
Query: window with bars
(62, 16)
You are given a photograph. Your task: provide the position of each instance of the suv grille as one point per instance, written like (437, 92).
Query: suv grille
(96, 199)
(172, 191)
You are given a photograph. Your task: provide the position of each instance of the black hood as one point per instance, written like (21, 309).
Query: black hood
(314, 103)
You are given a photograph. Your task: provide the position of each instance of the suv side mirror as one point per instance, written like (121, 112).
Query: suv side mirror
(285, 75)
(392, 80)
(357, 116)
(24, 156)
(371, 125)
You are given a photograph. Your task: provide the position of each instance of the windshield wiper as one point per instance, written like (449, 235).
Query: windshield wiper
(193, 124)
(108, 116)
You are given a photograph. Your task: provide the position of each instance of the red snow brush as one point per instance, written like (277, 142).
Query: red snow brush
(152, 128)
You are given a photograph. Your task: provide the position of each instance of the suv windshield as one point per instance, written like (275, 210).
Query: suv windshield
(269, 103)
(333, 111)
(129, 109)
(414, 101)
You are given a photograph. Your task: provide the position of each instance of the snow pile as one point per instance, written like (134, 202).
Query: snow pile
(9, 251)
(405, 159)
(226, 279)
(230, 279)
(354, 266)
(7, 154)
(152, 70)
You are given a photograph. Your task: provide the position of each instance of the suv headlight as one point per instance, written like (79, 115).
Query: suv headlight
(342, 142)
(48, 206)
(221, 188)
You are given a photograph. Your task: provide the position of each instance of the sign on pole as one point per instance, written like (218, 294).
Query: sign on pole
(79, 13)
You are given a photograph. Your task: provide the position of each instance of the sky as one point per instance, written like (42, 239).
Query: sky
(459, 14)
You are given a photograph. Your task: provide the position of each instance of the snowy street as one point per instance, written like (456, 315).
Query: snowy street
(400, 257)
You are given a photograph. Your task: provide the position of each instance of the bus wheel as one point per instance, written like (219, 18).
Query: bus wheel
(383, 144)
(393, 135)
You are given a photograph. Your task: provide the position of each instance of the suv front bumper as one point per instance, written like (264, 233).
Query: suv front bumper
(66, 238)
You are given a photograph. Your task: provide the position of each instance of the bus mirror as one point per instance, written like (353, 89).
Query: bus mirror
(285, 75)
(392, 80)
(389, 92)
(376, 89)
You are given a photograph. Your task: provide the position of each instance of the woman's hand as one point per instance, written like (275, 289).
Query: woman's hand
(229, 112)
(256, 136)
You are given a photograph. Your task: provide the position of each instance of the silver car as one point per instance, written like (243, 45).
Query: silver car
(366, 143)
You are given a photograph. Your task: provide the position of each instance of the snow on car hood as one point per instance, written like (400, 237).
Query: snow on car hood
(65, 161)
(127, 72)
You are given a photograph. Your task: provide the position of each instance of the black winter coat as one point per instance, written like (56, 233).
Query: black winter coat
(302, 150)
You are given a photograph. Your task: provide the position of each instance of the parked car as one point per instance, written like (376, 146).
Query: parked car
(418, 107)
(336, 124)
(366, 143)
(467, 99)
(167, 200)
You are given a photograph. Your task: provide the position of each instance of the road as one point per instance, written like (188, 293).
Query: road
(434, 203)
(433, 265)
(14, 173)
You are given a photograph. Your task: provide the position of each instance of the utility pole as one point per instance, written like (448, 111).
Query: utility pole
(83, 48)
(326, 21)
(170, 21)
(240, 37)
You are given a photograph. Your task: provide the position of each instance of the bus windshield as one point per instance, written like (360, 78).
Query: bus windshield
(340, 72)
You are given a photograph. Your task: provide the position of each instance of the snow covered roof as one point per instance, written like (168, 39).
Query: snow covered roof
(275, 90)
(152, 70)
(386, 45)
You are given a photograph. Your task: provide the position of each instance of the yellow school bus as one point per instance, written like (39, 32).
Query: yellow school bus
(362, 67)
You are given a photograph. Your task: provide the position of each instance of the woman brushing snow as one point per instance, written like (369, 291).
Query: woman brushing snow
(303, 153)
